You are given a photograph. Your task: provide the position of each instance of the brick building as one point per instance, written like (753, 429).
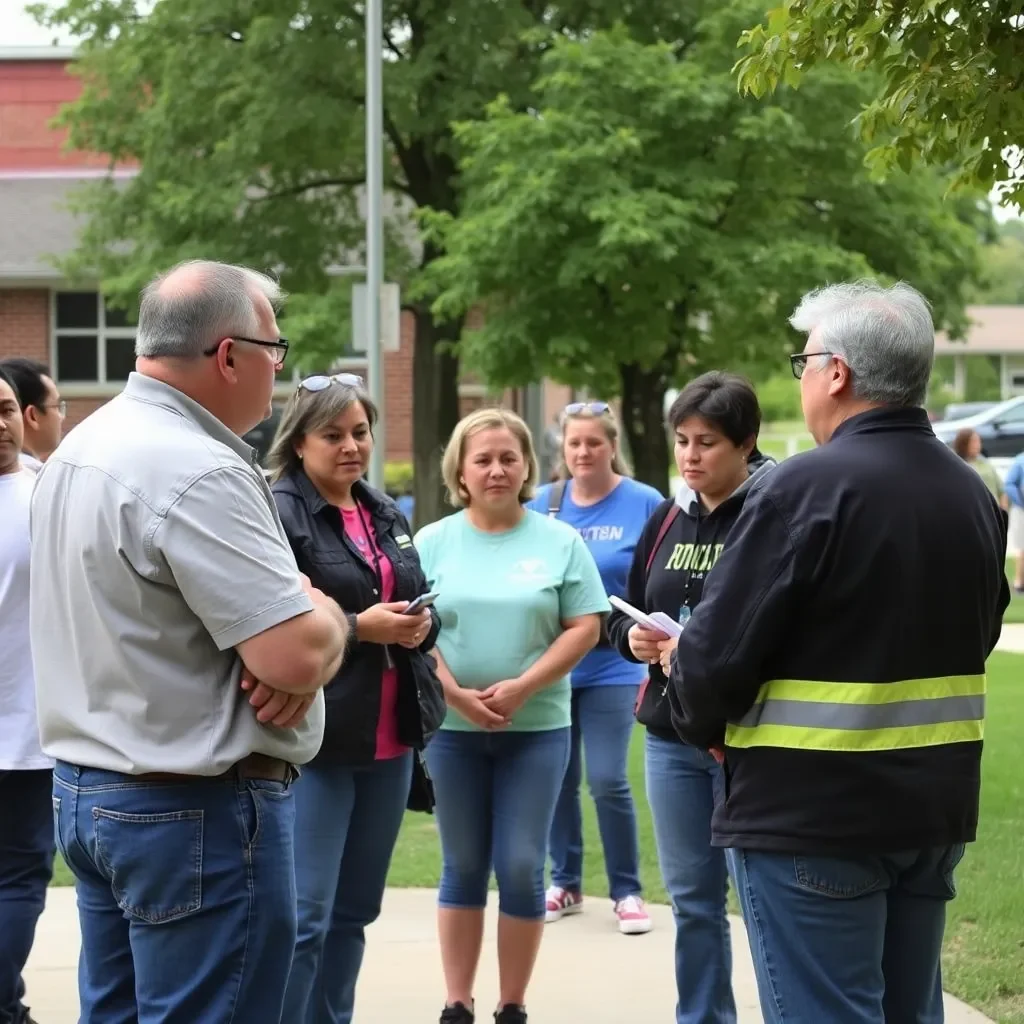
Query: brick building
(88, 346)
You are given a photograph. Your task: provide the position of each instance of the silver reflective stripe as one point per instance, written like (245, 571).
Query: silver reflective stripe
(819, 715)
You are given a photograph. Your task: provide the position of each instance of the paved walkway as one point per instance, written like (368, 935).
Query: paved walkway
(587, 971)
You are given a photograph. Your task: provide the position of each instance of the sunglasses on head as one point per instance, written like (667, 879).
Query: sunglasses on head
(322, 381)
(595, 408)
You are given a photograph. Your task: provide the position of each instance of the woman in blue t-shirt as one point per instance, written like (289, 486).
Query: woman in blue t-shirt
(597, 497)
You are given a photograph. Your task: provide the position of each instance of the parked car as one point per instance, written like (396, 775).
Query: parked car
(964, 410)
(1001, 428)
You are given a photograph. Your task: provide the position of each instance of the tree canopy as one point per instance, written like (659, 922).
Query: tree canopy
(642, 221)
(247, 121)
(950, 76)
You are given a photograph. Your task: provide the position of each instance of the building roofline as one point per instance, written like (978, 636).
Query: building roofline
(13, 53)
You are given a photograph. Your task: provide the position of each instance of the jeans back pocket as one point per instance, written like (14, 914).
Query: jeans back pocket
(839, 878)
(154, 861)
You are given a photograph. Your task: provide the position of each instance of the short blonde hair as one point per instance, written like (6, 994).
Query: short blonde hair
(455, 451)
(610, 425)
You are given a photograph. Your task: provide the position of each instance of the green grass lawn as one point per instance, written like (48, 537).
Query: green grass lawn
(984, 956)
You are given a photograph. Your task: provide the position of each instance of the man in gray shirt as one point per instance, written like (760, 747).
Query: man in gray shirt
(179, 656)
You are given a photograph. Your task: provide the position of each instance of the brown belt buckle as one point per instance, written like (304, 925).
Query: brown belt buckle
(265, 768)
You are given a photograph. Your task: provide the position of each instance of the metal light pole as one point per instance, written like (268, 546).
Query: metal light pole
(374, 229)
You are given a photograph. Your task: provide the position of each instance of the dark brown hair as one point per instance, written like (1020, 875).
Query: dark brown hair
(962, 442)
(726, 400)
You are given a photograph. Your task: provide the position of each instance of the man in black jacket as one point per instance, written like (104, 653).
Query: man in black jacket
(839, 656)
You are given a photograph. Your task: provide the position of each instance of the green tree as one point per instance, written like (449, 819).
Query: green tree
(1001, 281)
(644, 222)
(247, 122)
(950, 89)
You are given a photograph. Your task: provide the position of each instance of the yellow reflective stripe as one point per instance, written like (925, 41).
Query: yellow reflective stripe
(855, 740)
(805, 714)
(872, 693)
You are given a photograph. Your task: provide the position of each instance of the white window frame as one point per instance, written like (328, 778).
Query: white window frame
(102, 332)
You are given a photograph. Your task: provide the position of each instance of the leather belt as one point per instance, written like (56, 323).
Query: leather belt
(255, 766)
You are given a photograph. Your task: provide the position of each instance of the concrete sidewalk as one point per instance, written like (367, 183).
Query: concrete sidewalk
(586, 972)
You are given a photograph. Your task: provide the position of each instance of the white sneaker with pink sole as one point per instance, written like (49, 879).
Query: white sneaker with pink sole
(633, 916)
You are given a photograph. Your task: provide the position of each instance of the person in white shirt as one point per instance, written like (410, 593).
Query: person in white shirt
(42, 411)
(26, 815)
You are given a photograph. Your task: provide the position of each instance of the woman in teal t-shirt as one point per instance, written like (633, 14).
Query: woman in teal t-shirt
(520, 601)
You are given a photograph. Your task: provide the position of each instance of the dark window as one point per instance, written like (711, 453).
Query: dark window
(120, 358)
(82, 330)
(118, 318)
(77, 309)
(77, 358)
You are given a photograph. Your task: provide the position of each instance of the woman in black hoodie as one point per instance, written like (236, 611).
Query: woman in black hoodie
(715, 419)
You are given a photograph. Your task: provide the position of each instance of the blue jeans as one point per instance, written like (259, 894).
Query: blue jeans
(847, 940)
(682, 785)
(186, 896)
(496, 794)
(602, 723)
(26, 864)
(346, 824)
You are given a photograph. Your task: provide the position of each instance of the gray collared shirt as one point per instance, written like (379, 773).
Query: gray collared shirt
(156, 549)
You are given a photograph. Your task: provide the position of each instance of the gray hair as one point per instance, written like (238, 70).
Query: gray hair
(182, 319)
(307, 412)
(885, 335)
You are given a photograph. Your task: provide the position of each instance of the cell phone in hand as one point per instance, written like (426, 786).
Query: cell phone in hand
(417, 604)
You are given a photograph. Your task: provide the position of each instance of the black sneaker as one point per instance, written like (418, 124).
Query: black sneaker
(457, 1014)
(510, 1014)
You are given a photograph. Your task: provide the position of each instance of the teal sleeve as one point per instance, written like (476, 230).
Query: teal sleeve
(582, 592)
(423, 542)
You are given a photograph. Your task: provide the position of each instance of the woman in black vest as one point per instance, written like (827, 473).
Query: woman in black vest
(383, 705)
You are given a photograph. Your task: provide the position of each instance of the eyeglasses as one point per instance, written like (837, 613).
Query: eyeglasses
(575, 408)
(279, 348)
(798, 361)
(61, 407)
(322, 381)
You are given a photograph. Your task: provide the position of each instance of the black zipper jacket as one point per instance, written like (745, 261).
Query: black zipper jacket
(840, 646)
(334, 565)
(691, 546)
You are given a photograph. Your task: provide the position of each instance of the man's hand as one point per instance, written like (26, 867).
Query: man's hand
(505, 698)
(471, 705)
(667, 649)
(644, 643)
(274, 707)
(385, 624)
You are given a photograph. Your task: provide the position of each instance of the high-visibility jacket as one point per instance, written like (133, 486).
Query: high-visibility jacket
(839, 650)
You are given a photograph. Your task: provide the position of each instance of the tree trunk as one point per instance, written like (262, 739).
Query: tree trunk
(435, 411)
(643, 422)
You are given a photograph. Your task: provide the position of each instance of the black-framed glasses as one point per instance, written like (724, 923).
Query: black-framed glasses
(322, 381)
(594, 408)
(279, 348)
(798, 361)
